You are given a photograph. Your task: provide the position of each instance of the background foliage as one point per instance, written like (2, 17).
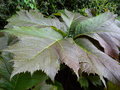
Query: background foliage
(9, 7)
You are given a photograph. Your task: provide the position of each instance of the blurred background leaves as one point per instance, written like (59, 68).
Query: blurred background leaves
(9, 7)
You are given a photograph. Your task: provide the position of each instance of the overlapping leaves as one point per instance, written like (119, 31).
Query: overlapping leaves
(102, 28)
(21, 81)
(41, 47)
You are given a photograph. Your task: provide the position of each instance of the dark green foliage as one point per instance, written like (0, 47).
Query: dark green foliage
(112, 86)
(9, 7)
(117, 2)
(98, 6)
(27, 4)
(90, 82)
(51, 6)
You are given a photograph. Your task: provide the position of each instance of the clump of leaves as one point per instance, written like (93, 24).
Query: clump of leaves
(23, 81)
(45, 43)
(27, 4)
(98, 6)
(7, 8)
(101, 6)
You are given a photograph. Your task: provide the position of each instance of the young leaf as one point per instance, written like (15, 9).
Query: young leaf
(68, 17)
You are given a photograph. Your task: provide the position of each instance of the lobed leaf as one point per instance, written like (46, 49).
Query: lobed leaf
(25, 81)
(41, 45)
(99, 62)
(35, 51)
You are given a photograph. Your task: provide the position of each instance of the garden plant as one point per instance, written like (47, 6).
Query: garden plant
(34, 46)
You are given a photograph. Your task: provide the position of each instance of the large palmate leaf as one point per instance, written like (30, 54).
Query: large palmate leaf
(41, 45)
(88, 59)
(41, 51)
(35, 50)
(69, 54)
(98, 62)
(103, 28)
(33, 18)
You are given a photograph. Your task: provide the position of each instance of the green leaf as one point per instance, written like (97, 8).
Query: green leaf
(5, 65)
(5, 71)
(3, 41)
(44, 86)
(68, 17)
(95, 80)
(83, 82)
(35, 51)
(111, 86)
(102, 23)
(25, 81)
(118, 18)
(58, 85)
